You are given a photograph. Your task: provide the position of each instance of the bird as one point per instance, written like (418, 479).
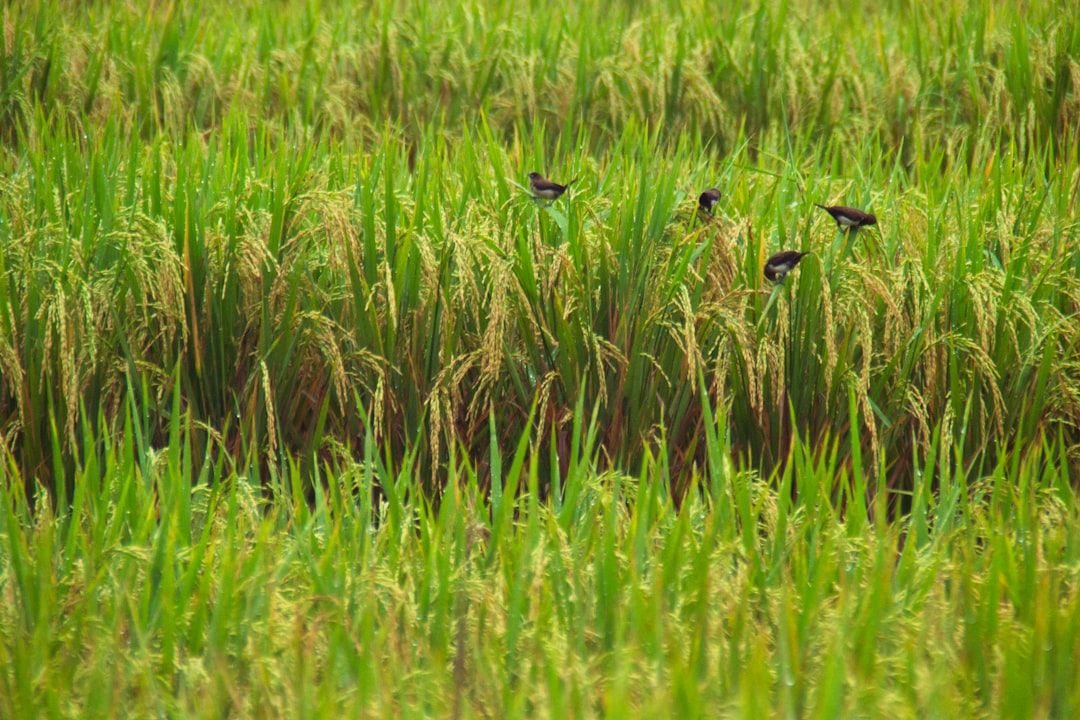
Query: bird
(779, 265)
(543, 189)
(848, 218)
(708, 199)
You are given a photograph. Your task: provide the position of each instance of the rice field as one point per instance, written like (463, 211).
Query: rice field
(308, 407)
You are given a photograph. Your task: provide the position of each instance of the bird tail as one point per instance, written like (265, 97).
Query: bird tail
(821, 206)
(571, 182)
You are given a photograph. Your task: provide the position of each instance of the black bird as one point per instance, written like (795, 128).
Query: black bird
(849, 218)
(545, 189)
(708, 199)
(779, 265)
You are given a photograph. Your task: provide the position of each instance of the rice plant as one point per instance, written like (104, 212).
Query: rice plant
(307, 407)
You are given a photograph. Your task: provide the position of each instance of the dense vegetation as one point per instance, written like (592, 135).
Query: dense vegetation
(306, 407)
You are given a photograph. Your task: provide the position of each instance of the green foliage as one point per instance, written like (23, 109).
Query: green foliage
(160, 591)
(307, 408)
(179, 205)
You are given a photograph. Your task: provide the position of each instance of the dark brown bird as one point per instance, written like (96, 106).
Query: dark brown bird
(543, 189)
(708, 199)
(848, 218)
(779, 265)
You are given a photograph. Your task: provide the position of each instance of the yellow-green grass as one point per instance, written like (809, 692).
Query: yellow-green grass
(179, 210)
(307, 408)
(284, 290)
(162, 593)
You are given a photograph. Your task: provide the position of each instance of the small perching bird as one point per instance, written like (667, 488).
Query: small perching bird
(779, 265)
(543, 189)
(708, 200)
(848, 218)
